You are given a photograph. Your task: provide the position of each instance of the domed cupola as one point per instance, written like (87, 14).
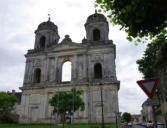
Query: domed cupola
(96, 27)
(96, 17)
(48, 25)
(46, 35)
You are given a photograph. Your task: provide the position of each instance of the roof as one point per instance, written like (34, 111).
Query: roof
(96, 17)
(47, 25)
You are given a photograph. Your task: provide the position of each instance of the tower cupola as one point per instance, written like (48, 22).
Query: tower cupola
(46, 35)
(96, 27)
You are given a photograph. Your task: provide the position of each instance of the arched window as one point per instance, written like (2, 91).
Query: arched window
(96, 35)
(42, 42)
(97, 71)
(37, 75)
(66, 71)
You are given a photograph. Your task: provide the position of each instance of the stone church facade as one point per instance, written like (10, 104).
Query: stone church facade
(92, 69)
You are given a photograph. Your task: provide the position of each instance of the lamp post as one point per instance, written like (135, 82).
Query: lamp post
(57, 109)
(102, 115)
(73, 96)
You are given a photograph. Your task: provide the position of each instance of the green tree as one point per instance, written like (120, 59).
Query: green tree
(126, 117)
(139, 18)
(7, 102)
(63, 103)
(146, 64)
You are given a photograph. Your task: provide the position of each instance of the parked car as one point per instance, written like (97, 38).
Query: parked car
(160, 125)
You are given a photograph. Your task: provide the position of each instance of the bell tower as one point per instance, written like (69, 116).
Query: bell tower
(96, 28)
(46, 35)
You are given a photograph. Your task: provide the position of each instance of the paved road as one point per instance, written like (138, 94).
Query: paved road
(133, 126)
(138, 126)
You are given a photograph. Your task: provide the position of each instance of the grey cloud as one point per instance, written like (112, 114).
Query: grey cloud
(130, 95)
(10, 58)
(130, 99)
(75, 4)
(17, 25)
(12, 77)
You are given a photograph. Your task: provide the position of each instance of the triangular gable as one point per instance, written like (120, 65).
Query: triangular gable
(67, 46)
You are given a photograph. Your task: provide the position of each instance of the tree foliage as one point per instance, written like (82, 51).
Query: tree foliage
(139, 18)
(126, 117)
(7, 102)
(146, 64)
(63, 102)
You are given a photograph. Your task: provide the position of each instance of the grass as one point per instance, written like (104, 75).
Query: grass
(53, 126)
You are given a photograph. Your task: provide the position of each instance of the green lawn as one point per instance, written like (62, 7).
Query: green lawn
(54, 126)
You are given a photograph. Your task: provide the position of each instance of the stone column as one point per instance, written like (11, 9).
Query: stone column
(26, 107)
(31, 72)
(90, 69)
(26, 72)
(47, 69)
(52, 38)
(47, 40)
(85, 68)
(52, 69)
(56, 70)
(59, 70)
(90, 103)
(74, 68)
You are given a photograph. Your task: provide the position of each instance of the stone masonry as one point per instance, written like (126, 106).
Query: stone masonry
(93, 68)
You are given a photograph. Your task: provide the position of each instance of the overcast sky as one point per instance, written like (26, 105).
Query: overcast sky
(20, 18)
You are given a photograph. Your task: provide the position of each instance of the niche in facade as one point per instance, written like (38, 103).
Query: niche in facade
(96, 35)
(66, 71)
(37, 75)
(98, 71)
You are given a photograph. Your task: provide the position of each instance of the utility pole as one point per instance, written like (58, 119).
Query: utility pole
(154, 116)
(73, 98)
(89, 104)
(102, 115)
(57, 120)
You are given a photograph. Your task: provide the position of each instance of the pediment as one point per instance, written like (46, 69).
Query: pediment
(67, 46)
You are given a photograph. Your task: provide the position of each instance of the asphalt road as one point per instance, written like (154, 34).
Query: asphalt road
(138, 126)
(133, 126)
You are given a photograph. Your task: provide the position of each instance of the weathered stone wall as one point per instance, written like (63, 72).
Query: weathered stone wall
(95, 49)
(35, 107)
(35, 101)
(83, 61)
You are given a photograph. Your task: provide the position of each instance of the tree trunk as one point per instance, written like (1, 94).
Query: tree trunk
(63, 120)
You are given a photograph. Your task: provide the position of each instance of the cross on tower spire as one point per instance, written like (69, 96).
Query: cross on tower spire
(95, 11)
(48, 17)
